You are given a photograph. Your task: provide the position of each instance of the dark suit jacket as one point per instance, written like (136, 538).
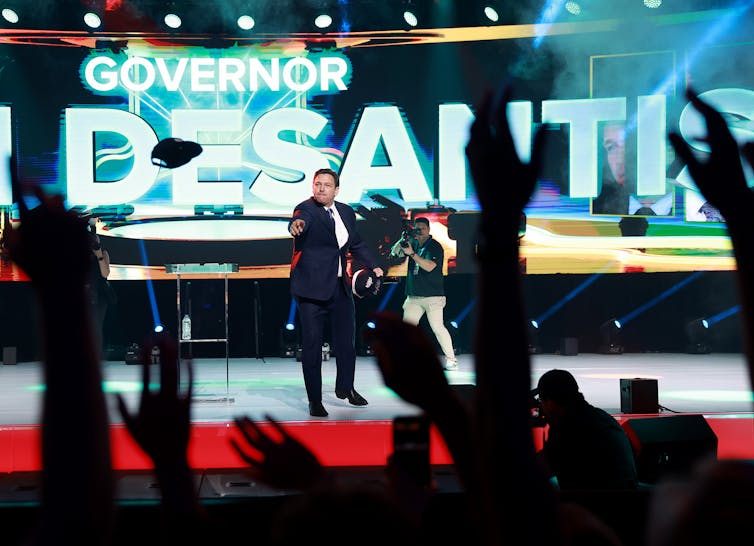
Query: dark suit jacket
(314, 266)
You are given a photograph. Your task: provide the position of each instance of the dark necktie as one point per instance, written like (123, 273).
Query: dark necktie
(332, 216)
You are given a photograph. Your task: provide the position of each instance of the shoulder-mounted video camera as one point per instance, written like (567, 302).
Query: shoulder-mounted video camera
(538, 419)
(409, 232)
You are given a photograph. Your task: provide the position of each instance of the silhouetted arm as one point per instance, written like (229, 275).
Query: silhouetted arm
(277, 458)
(721, 180)
(410, 367)
(162, 426)
(52, 246)
(518, 502)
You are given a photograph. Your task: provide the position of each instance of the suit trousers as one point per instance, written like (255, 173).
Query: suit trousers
(313, 315)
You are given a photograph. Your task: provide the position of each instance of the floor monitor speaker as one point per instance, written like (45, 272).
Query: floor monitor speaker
(669, 445)
(639, 395)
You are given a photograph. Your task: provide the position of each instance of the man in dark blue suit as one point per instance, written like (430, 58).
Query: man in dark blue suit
(324, 233)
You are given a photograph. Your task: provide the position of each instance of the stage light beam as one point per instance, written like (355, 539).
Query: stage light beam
(291, 315)
(568, 297)
(625, 319)
(714, 319)
(464, 312)
(150, 288)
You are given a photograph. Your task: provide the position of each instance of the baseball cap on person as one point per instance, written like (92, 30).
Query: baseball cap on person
(557, 385)
(365, 283)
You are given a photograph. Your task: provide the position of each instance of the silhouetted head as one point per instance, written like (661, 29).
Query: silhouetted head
(558, 386)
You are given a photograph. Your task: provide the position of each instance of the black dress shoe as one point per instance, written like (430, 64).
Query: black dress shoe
(353, 397)
(316, 409)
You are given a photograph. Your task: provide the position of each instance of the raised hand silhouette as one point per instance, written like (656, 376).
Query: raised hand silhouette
(51, 245)
(162, 424)
(504, 184)
(720, 177)
(722, 181)
(277, 459)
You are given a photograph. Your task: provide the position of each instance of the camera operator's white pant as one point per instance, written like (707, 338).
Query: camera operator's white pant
(413, 309)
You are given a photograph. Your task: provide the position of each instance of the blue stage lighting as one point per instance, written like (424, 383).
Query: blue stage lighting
(289, 343)
(150, 287)
(568, 297)
(386, 297)
(547, 17)
(291, 314)
(532, 335)
(714, 319)
(464, 312)
(654, 301)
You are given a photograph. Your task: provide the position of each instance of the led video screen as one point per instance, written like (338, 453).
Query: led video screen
(390, 111)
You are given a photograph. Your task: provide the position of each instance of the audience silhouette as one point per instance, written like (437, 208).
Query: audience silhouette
(586, 448)
(509, 497)
(162, 427)
(715, 503)
(77, 499)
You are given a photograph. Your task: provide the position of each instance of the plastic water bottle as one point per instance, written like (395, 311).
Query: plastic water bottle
(186, 327)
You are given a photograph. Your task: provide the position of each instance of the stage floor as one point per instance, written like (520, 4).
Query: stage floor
(355, 441)
(710, 383)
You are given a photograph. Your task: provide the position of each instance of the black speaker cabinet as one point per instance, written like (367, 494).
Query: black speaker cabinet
(10, 355)
(569, 346)
(669, 445)
(638, 395)
(465, 392)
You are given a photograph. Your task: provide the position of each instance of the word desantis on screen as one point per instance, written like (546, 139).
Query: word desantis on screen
(262, 136)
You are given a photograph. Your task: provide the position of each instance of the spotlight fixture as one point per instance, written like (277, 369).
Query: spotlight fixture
(455, 334)
(322, 21)
(697, 337)
(289, 345)
(10, 15)
(245, 22)
(533, 335)
(172, 20)
(491, 14)
(365, 347)
(574, 8)
(92, 20)
(610, 342)
(410, 18)
(653, 3)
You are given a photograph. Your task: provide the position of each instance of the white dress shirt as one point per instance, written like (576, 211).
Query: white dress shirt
(340, 232)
